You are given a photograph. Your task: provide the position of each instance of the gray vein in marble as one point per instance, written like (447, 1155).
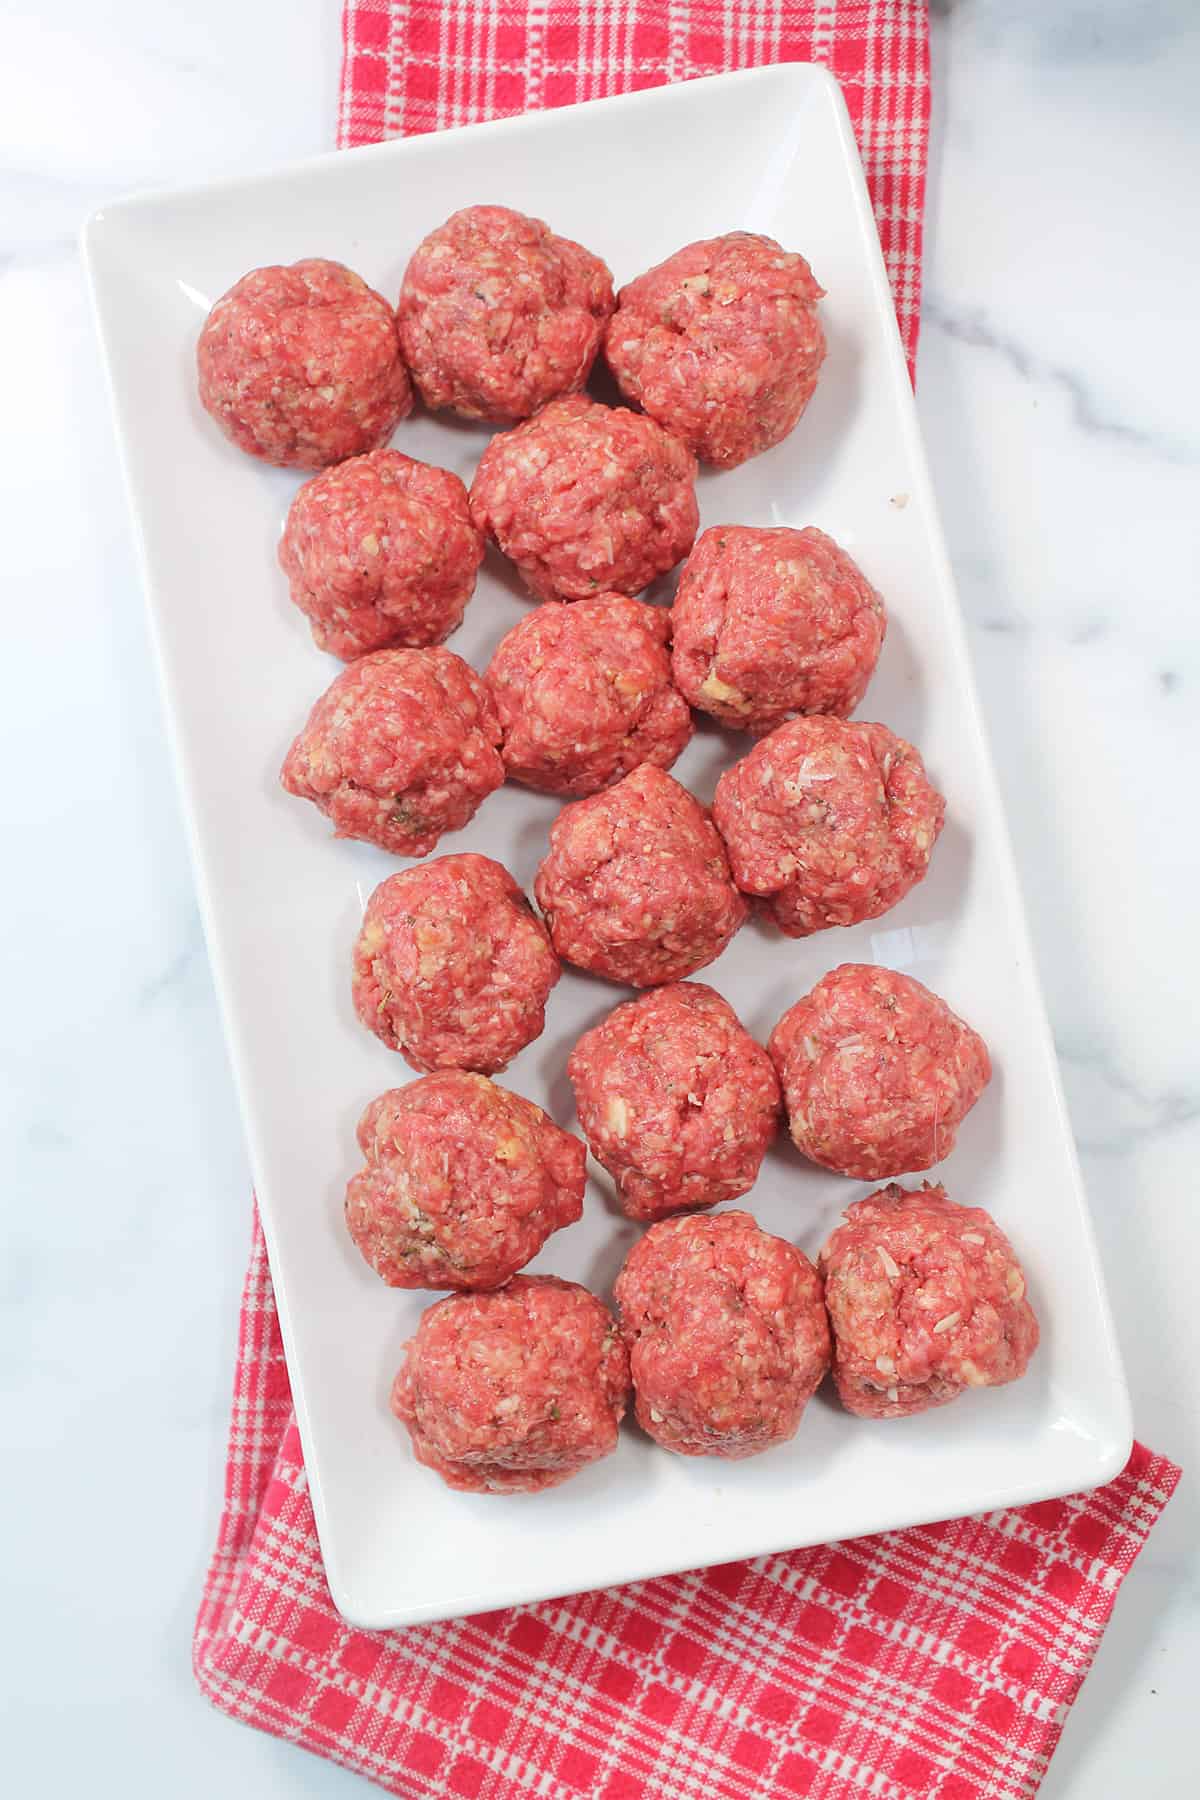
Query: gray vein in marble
(1168, 680)
(973, 330)
(1110, 1112)
(169, 977)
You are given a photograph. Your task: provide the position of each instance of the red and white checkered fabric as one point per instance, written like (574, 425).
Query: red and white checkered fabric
(420, 65)
(937, 1663)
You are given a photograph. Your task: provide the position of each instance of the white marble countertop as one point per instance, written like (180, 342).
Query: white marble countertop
(1058, 388)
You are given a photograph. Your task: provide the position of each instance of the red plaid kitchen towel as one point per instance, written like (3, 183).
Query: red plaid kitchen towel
(419, 65)
(937, 1663)
(933, 1662)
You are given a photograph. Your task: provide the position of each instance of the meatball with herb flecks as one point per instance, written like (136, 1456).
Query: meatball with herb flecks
(926, 1298)
(464, 1182)
(301, 366)
(401, 748)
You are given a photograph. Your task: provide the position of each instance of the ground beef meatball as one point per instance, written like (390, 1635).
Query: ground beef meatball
(498, 315)
(513, 1392)
(877, 1073)
(402, 747)
(768, 622)
(721, 344)
(727, 1334)
(636, 886)
(381, 552)
(463, 1184)
(584, 497)
(452, 966)
(584, 694)
(301, 366)
(830, 823)
(675, 1099)
(925, 1298)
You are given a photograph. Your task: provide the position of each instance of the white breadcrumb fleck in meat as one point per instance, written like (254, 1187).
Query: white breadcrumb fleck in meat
(675, 1099)
(464, 1182)
(515, 1391)
(925, 1298)
(402, 747)
(895, 1104)
(727, 1334)
(452, 967)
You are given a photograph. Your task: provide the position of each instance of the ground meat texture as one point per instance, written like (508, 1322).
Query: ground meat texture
(768, 622)
(727, 1334)
(636, 886)
(402, 747)
(301, 366)
(498, 315)
(877, 1073)
(585, 498)
(381, 552)
(925, 1298)
(584, 695)
(513, 1392)
(675, 1099)
(721, 344)
(464, 1182)
(828, 822)
(452, 967)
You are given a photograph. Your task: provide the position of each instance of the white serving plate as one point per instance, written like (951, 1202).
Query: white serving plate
(634, 178)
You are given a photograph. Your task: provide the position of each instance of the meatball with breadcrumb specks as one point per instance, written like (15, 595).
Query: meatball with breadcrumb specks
(379, 553)
(498, 314)
(516, 1391)
(721, 344)
(675, 1099)
(727, 1335)
(584, 694)
(586, 498)
(877, 1073)
(402, 747)
(828, 822)
(464, 1182)
(768, 622)
(452, 967)
(636, 885)
(926, 1298)
(301, 366)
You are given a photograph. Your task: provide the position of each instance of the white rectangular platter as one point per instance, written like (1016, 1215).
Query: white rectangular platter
(634, 178)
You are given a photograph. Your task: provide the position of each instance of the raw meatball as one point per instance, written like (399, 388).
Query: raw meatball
(301, 366)
(769, 622)
(721, 344)
(829, 822)
(586, 497)
(636, 885)
(498, 315)
(452, 966)
(925, 1298)
(381, 551)
(877, 1073)
(403, 746)
(675, 1099)
(513, 1392)
(584, 694)
(463, 1185)
(727, 1334)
